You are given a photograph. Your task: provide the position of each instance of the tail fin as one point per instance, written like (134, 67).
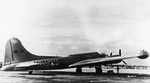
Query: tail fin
(15, 52)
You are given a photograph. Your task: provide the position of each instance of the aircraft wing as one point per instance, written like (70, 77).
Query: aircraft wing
(106, 59)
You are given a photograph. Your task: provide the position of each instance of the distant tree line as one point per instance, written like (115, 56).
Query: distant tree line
(138, 67)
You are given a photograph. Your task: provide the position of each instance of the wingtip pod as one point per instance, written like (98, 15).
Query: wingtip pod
(143, 54)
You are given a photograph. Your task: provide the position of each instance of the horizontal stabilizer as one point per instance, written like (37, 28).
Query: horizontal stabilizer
(26, 64)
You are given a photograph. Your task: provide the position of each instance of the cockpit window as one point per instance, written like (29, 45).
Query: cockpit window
(105, 55)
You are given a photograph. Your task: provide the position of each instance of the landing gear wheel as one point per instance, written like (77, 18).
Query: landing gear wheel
(30, 72)
(98, 70)
(79, 70)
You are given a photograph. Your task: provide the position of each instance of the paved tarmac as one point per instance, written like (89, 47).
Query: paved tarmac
(70, 77)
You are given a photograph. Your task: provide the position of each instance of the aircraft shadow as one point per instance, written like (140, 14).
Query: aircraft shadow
(53, 73)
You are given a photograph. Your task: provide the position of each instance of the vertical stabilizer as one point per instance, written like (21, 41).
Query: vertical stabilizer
(15, 52)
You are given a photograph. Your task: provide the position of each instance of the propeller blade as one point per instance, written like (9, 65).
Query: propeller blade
(124, 62)
(119, 52)
(111, 54)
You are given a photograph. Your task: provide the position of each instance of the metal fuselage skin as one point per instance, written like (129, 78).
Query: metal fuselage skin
(17, 58)
(57, 63)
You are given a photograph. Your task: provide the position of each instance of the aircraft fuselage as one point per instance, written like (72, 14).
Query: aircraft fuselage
(56, 63)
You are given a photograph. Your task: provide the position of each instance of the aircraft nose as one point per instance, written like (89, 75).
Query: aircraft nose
(143, 54)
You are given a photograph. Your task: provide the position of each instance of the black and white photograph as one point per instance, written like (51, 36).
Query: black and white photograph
(74, 41)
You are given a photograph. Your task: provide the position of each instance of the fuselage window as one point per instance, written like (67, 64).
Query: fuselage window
(46, 61)
(50, 64)
(35, 61)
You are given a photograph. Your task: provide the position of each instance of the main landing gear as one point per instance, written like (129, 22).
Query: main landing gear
(79, 70)
(98, 69)
(30, 71)
(117, 69)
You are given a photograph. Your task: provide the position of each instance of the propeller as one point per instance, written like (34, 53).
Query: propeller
(119, 52)
(110, 54)
(116, 55)
(120, 55)
(124, 62)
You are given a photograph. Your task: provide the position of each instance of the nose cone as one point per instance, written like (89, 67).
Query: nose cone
(143, 54)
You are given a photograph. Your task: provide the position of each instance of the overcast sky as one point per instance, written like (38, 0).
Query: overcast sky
(63, 27)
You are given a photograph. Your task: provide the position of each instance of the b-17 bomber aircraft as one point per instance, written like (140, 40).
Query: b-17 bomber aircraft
(17, 58)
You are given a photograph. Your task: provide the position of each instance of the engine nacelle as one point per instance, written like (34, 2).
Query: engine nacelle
(143, 54)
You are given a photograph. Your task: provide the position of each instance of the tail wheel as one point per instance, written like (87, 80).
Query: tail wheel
(79, 70)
